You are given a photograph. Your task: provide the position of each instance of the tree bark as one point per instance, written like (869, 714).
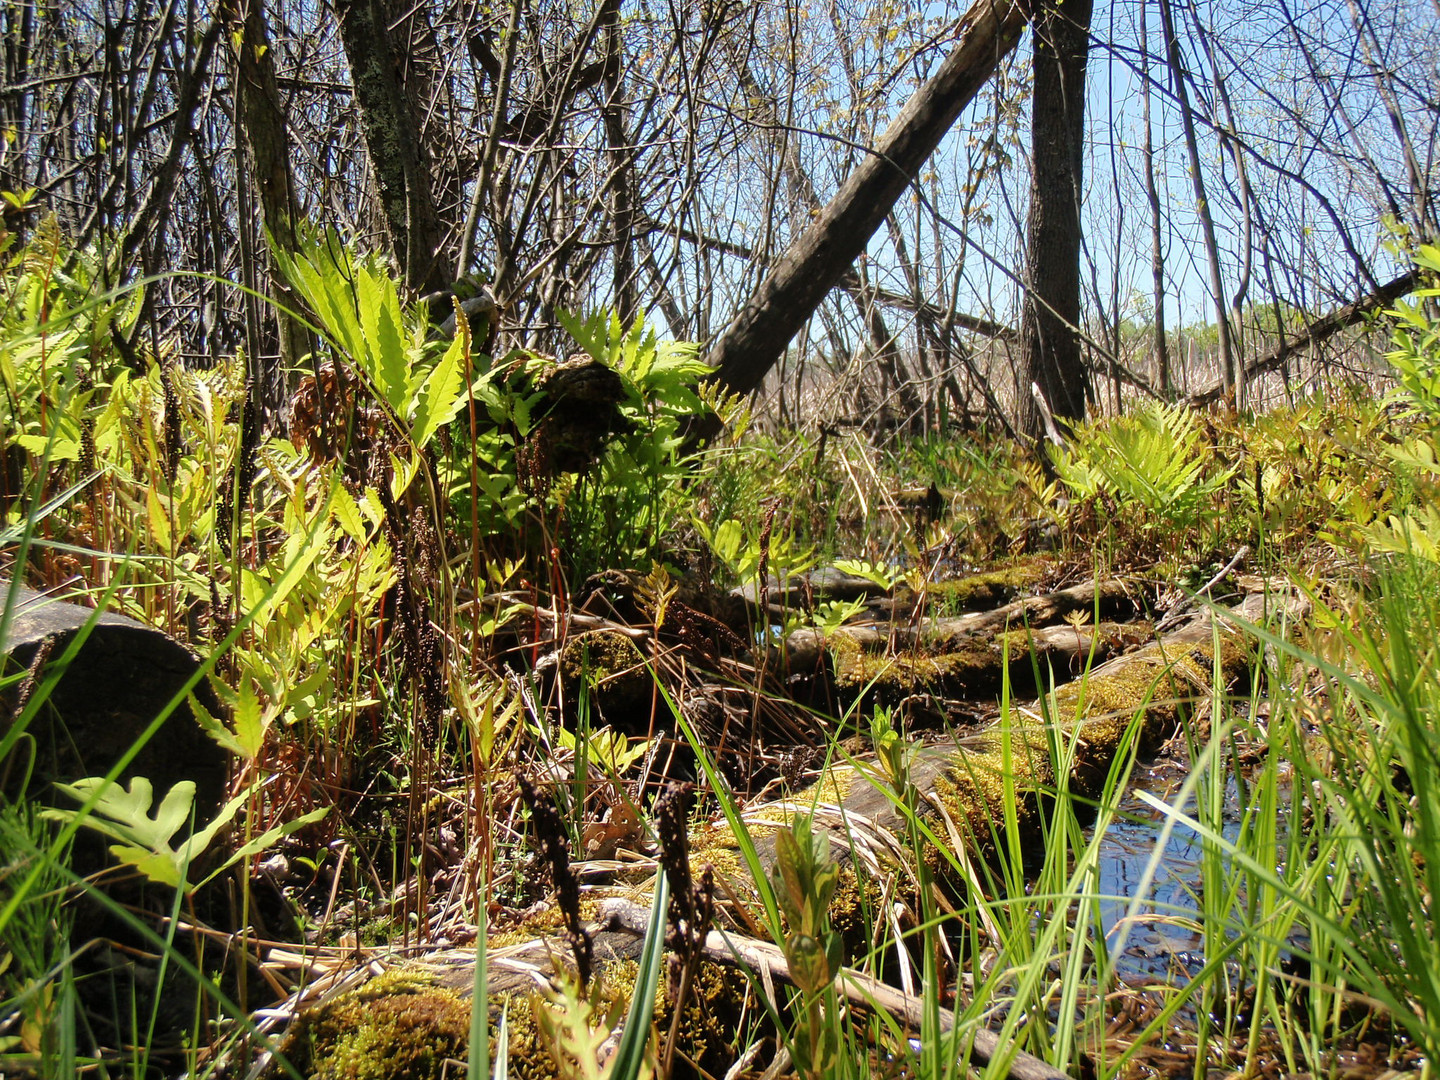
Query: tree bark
(262, 121)
(622, 215)
(397, 156)
(1160, 346)
(816, 262)
(1050, 356)
(1178, 76)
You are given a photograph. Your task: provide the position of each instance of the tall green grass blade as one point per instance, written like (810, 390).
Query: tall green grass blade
(629, 1061)
(478, 1063)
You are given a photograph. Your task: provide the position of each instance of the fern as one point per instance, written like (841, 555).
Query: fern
(358, 305)
(1152, 459)
(146, 841)
(1416, 340)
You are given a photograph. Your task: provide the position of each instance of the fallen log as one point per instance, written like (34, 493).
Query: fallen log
(1111, 599)
(1321, 329)
(1140, 698)
(432, 988)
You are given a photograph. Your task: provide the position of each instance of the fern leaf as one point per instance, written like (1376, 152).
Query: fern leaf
(443, 395)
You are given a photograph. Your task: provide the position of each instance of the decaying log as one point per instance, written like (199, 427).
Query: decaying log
(966, 782)
(961, 783)
(1027, 660)
(579, 415)
(1111, 599)
(619, 934)
(860, 990)
(1319, 330)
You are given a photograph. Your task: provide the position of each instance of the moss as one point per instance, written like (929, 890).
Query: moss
(710, 1020)
(973, 789)
(1163, 680)
(611, 666)
(715, 844)
(854, 910)
(399, 1026)
(993, 588)
(707, 1031)
(528, 1057)
(542, 920)
(378, 931)
(973, 670)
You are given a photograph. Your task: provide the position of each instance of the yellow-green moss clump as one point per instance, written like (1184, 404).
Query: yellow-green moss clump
(398, 1026)
(542, 920)
(959, 673)
(706, 1034)
(614, 668)
(991, 589)
(1093, 717)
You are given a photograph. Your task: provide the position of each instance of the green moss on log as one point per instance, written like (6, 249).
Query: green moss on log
(992, 588)
(610, 666)
(398, 1026)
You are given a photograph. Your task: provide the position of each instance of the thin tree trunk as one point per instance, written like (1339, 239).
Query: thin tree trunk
(1152, 195)
(262, 121)
(1050, 356)
(622, 217)
(1197, 176)
(392, 137)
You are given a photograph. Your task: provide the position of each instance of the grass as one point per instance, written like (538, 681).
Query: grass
(1313, 910)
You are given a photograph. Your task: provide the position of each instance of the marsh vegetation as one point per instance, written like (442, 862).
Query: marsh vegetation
(525, 598)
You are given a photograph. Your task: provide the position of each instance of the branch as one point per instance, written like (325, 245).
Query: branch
(850, 282)
(1322, 328)
(859, 989)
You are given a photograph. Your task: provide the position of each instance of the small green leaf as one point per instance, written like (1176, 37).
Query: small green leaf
(124, 815)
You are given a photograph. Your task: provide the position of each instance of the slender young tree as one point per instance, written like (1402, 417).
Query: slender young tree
(1179, 83)
(1160, 346)
(262, 121)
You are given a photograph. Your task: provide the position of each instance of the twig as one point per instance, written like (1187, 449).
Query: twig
(859, 989)
(1171, 617)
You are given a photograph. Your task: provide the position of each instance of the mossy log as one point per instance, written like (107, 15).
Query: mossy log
(1069, 739)
(1111, 599)
(407, 1021)
(1137, 699)
(1027, 659)
(970, 592)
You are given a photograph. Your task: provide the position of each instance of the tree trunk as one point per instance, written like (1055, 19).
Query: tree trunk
(1178, 77)
(815, 262)
(1050, 355)
(1160, 347)
(622, 216)
(262, 121)
(392, 138)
